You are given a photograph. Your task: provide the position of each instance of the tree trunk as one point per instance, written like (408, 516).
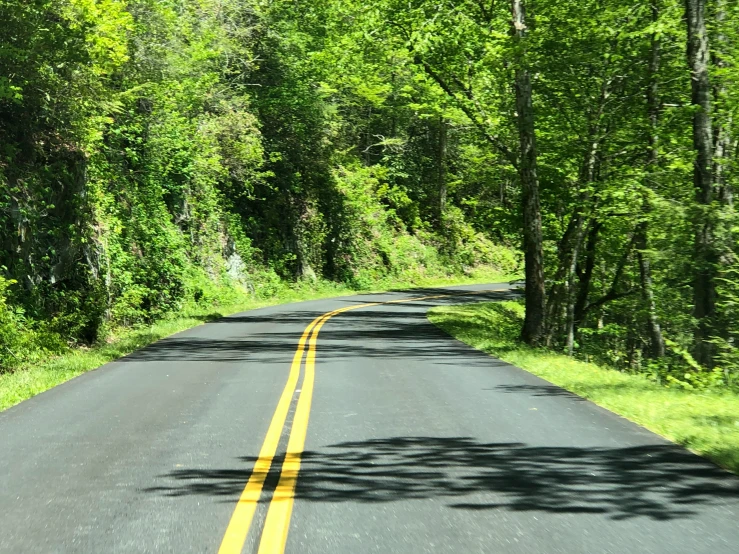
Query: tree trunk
(587, 177)
(570, 290)
(533, 327)
(656, 340)
(641, 237)
(442, 167)
(564, 292)
(570, 341)
(558, 293)
(585, 277)
(704, 286)
(722, 132)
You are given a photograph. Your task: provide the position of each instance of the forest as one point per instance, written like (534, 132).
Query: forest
(159, 152)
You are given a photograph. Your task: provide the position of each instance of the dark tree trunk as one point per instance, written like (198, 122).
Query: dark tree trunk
(533, 327)
(585, 276)
(704, 286)
(587, 177)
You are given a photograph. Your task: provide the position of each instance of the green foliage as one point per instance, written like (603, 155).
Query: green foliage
(162, 156)
(371, 241)
(12, 331)
(156, 155)
(461, 243)
(728, 349)
(23, 340)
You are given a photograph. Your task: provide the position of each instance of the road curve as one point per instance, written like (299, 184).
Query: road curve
(415, 443)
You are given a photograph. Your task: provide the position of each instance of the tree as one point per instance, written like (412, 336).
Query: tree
(533, 327)
(706, 257)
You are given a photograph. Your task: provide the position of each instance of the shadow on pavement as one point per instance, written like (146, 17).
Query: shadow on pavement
(394, 330)
(660, 482)
(539, 390)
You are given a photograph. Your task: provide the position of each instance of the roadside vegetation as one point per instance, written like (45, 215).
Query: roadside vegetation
(164, 160)
(705, 420)
(162, 154)
(44, 368)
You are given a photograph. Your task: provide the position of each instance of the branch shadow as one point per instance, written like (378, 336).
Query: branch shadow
(387, 331)
(659, 482)
(539, 390)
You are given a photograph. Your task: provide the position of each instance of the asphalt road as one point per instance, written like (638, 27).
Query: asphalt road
(415, 443)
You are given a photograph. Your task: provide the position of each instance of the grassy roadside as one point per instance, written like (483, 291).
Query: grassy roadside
(24, 383)
(705, 422)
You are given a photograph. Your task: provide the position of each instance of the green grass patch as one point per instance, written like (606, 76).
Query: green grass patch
(34, 378)
(706, 422)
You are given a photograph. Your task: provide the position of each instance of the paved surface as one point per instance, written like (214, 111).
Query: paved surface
(416, 443)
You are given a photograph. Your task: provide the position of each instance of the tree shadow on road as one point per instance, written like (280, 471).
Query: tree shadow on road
(660, 482)
(399, 330)
(539, 391)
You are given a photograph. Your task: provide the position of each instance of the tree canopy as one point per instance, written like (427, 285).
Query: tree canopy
(151, 150)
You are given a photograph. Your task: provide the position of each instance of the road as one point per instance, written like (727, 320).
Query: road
(396, 438)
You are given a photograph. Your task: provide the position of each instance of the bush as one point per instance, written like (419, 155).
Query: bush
(21, 344)
(9, 329)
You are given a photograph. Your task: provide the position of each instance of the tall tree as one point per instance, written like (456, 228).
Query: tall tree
(706, 259)
(641, 233)
(533, 327)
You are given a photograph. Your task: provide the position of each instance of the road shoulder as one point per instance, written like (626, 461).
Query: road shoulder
(706, 423)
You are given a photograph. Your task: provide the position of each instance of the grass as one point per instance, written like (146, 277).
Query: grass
(705, 422)
(29, 381)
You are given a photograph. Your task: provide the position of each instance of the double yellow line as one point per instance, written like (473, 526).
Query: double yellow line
(274, 534)
(276, 525)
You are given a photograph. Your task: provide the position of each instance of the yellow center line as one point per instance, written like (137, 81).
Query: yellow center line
(238, 527)
(274, 534)
(276, 526)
